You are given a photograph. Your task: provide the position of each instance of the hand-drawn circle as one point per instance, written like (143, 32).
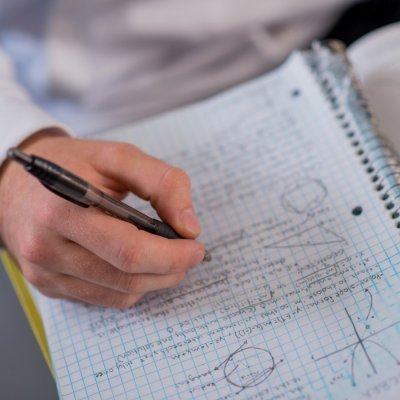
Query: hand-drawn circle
(304, 196)
(249, 367)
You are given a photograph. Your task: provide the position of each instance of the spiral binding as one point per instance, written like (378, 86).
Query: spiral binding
(333, 69)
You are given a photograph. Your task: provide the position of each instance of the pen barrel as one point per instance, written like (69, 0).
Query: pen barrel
(126, 213)
(57, 179)
(165, 230)
(118, 209)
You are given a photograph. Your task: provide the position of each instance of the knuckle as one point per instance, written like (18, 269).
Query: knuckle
(84, 292)
(115, 150)
(49, 293)
(169, 267)
(128, 257)
(129, 148)
(122, 301)
(90, 266)
(174, 267)
(134, 284)
(33, 249)
(120, 280)
(177, 263)
(177, 279)
(34, 277)
(112, 150)
(51, 213)
(175, 177)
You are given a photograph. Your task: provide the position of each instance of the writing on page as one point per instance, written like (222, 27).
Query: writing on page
(299, 298)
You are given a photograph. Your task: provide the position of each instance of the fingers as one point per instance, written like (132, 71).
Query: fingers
(80, 275)
(94, 294)
(130, 250)
(167, 187)
(72, 288)
(78, 262)
(112, 263)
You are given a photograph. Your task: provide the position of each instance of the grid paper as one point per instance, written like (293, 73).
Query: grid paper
(301, 298)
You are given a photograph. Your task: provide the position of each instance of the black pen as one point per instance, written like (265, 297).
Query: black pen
(73, 188)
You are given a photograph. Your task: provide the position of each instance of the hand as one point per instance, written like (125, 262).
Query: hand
(70, 252)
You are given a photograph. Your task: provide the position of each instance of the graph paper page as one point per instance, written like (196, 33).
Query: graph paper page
(301, 298)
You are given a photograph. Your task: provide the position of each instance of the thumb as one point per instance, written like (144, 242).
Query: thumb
(166, 187)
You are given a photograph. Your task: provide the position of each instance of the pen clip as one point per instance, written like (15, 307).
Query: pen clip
(64, 196)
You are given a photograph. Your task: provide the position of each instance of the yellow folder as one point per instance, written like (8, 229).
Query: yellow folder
(28, 305)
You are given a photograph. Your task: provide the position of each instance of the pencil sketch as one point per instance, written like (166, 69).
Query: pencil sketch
(197, 289)
(304, 196)
(304, 238)
(248, 366)
(227, 240)
(360, 350)
(328, 270)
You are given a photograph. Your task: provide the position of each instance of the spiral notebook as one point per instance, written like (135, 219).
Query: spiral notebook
(300, 203)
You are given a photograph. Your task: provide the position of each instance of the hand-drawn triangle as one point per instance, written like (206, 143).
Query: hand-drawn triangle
(317, 235)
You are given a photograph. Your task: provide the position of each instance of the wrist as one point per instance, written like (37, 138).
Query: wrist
(10, 178)
(31, 142)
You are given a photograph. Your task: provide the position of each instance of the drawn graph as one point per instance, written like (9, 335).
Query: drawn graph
(360, 350)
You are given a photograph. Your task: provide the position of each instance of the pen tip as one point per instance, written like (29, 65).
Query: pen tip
(207, 256)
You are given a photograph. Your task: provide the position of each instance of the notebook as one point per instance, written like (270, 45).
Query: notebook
(300, 207)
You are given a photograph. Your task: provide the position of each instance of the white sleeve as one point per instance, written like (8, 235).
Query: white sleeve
(19, 117)
(205, 19)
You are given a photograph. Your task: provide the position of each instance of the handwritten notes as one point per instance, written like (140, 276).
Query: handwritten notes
(301, 298)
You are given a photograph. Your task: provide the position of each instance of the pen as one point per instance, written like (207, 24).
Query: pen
(75, 189)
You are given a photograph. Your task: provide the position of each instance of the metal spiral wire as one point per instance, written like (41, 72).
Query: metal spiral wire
(376, 155)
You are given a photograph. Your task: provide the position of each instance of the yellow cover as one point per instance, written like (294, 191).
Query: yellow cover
(28, 305)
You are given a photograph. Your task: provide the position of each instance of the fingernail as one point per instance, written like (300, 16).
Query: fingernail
(190, 221)
(197, 258)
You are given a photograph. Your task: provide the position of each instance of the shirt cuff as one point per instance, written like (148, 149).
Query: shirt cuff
(20, 119)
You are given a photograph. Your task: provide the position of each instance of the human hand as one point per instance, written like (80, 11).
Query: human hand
(66, 251)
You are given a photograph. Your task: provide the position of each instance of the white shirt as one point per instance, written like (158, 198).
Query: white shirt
(92, 64)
